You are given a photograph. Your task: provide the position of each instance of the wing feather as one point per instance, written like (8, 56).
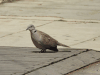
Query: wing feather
(47, 41)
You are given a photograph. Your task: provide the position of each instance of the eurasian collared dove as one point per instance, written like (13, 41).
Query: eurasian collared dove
(42, 40)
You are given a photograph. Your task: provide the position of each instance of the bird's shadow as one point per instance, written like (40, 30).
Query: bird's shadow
(49, 51)
(59, 50)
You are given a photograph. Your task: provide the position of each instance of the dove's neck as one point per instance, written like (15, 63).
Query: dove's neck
(35, 35)
(33, 31)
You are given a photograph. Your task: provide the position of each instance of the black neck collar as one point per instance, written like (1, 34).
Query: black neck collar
(34, 31)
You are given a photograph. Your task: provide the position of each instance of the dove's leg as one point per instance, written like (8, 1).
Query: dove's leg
(43, 51)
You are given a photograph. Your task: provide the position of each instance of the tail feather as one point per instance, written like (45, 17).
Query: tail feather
(60, 44)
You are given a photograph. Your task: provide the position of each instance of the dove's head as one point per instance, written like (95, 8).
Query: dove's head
(30, 27)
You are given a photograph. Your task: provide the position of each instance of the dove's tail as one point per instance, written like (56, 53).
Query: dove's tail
(60, 44)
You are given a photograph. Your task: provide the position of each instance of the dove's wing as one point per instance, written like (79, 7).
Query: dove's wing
(47, 41)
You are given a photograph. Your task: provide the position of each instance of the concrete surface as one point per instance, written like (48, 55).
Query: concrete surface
(75, 34)
(74, 23)
(77, 9)
(28, 60)
(90, 70)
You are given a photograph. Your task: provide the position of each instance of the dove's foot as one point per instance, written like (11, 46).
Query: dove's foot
(42, 51)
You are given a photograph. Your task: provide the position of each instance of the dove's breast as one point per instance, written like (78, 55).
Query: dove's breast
(36, 38)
